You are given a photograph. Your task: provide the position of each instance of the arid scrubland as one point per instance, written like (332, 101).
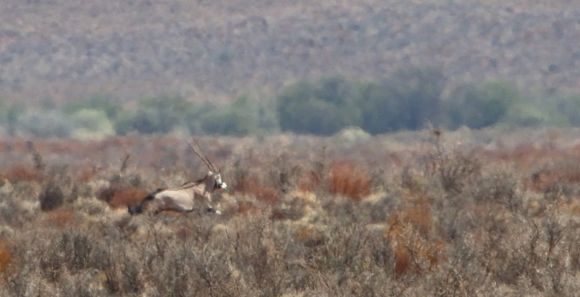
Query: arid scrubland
(66, 49)
(465, 213)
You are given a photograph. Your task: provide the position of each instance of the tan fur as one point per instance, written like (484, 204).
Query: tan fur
(183, 198)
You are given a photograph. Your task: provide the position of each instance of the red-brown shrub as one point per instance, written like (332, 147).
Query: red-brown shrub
(86, 172)
(5, 258)
(20, 172)
(419, 216)
(308, 235)
(127, 197)
(60, 218)
(411, 242)
(347, 179)
(309, 182)
(245, 207)
(183, 233)
(546, 178)
(252, 186)
(402, 260)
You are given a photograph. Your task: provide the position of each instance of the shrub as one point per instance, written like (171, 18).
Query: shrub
(9, 114)
(321, 108)
(498, 186)
(61, 218)
(568, 106)
(18, 172)
(5, 258)
(479, 106)
(51, 197)
(348, 180)
(127, 197)
(107, 105)
(91, 124)
(241, 118)
(252, 186)
(47, 123)
(408, 99)
(155, 115)
(380, 109)
(455, 170)
(410, 235)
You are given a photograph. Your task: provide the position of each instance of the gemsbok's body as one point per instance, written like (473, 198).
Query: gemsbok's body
(185, 197)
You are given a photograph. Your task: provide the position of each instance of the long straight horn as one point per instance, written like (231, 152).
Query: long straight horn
(197, 150)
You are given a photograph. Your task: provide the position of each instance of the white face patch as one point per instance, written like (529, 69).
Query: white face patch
(219, 182)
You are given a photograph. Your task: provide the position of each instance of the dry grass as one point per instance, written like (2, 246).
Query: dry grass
(60, 218)
(453, 229)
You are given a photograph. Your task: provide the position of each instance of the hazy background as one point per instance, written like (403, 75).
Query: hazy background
(318, 115)
(428, 60)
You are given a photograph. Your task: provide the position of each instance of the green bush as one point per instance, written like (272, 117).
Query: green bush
(110, 106)
(527, 115)
(323, 108)
(241, 118)
(418, 91)
(406, 100)
(46, 123)
(568, 106)
(91, 124)
(267, 117)
(481, 105)
(155, 115)
(381, 109)
(9, 114)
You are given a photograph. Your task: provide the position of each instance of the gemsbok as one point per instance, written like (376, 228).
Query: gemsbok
(185, 197)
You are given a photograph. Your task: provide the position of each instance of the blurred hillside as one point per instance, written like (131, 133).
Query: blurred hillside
(64, 49)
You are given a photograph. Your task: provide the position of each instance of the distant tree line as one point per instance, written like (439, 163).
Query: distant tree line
(407, 99)
(410, 99)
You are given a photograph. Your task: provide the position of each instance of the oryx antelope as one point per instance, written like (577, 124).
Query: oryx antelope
(184, 197)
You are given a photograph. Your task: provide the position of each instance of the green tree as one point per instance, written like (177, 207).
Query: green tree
(407, 99)
(321, 108)
(380, 109)
(9, 114)
(481, 105)
(155, 115)
(568, 106)
(91, 124)
(109, 105)
(240, 118)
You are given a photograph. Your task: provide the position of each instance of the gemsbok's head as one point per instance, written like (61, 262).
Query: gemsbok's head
(185, 197)
(213, 175)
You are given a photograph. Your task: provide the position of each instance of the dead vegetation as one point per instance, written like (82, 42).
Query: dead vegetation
(442, 221)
